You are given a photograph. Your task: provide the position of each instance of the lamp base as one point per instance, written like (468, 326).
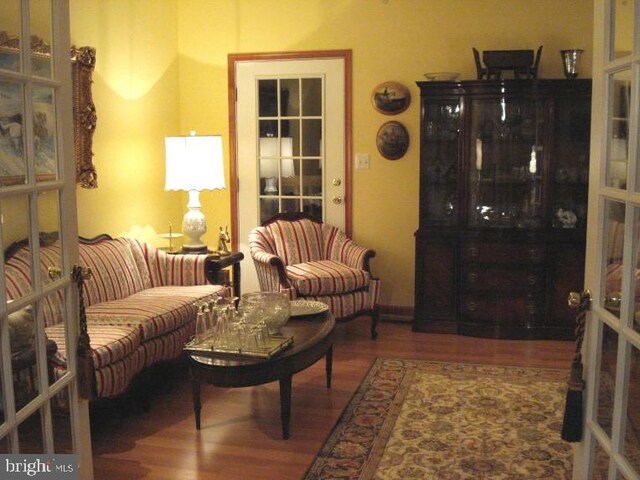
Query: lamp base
(196, 249)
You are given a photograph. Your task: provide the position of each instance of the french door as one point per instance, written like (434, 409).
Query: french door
(40, 412)
(610, 448)
(291, 122)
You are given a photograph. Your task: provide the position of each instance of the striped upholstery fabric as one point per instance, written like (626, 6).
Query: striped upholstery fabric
(168, 269)
(315, 261)
(114, 271)
(326, 277)
(108, 343)
(153, 312)
(139, 305)
(296, 242)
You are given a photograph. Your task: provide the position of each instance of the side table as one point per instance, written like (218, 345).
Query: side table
(216, 263)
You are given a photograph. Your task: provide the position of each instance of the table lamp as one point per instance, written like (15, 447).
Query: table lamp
(269, 158)
(194, 163)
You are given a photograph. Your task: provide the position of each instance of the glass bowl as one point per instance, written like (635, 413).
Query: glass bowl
(273, 307)
(442, 76)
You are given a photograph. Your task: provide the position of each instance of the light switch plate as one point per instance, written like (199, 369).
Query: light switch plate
(362, 161)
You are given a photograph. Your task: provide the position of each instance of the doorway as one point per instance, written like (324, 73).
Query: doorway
(290, 141)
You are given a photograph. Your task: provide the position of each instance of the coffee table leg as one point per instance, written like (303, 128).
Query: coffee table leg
(195, 385)
(329, 365)
(285, 405)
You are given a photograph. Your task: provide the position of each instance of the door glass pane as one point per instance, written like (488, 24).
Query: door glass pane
(607, 378)
(311, 137)
(13, 167)
(313, 208)
(635, 279)
(40, 11)
(267, 98)
(30, 434)
(312, 97)
(23, 355)
(614, 228)
(61, 423)
(623, 28)
(44, 132)
(291, 129)
(312, 177)
(620, 95)
(268, 208)
(290, 97)
(15, 232)
(51, 318)
(632, 438)
(600, 464)
(9, 38)
(290, 169)
(290, 205)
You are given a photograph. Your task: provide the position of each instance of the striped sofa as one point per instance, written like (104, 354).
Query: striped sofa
(139, 304)
(312, 260)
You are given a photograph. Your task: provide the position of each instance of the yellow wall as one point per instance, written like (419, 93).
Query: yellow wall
(162, 70)
(136, 95)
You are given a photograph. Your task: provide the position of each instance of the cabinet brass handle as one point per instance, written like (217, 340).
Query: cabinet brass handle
(472, 251)
(472, 277)
(472, 306)
(532, 280)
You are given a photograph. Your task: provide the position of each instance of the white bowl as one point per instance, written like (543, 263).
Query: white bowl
(441, 76)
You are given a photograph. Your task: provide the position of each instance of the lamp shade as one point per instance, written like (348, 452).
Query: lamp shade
(269, 157)
(194, 163)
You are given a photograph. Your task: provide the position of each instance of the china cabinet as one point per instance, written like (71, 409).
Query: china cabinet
(503, 205)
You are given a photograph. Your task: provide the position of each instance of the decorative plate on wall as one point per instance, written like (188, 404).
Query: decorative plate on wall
(392, 140)
(391, 98)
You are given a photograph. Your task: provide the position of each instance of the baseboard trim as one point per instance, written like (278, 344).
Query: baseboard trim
(396, 313)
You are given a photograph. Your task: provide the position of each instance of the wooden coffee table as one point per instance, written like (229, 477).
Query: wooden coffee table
(312, 340)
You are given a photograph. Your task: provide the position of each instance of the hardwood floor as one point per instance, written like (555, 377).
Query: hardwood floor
(241, 432)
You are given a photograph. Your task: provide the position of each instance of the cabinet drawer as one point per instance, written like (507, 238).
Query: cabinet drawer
(502, 253)
(479, 278)
(509, 310)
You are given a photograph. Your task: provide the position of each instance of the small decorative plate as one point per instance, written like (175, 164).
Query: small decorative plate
(303, 308)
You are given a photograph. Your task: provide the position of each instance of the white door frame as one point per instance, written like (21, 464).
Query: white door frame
(62, 192)
(346, 177)
(595, 266)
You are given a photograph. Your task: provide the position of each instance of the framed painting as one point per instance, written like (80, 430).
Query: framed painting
(391, 98)
(392, 140)
(12, 108)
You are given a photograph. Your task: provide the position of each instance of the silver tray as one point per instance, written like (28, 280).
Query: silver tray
(304, 308)
(276, 344)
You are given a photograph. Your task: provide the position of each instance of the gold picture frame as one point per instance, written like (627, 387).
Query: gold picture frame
(391, 98)
(83, 61)
(392, 140)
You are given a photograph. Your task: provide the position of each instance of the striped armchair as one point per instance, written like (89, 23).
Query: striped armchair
(312, 260)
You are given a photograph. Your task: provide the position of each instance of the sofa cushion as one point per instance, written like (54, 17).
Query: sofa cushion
(326, 277)
(297, 242)
(115, 273)
(109, 343)
(154, 311)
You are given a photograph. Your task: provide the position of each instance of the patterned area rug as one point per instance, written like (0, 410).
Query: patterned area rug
(413, 419)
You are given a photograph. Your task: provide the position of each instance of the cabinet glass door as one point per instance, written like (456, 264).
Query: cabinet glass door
(506, 149)
(569, 175)
(441, 126)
